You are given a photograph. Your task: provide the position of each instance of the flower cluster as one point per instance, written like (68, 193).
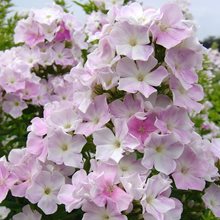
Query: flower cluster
(32, 73)
(207, 120)
(214, 58)
(115, 139)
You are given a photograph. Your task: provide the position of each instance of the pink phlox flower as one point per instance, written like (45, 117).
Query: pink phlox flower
(175, 120)
(169, 29)
(114, 145)
(96, 116)
(131, 41)
(139, 76)
(161, 151)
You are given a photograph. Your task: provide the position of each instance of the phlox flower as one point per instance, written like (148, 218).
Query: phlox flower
(44, 190)
(36, 145)
(25, 167)
(64, 93)
(107, 78)
(131, 41)
(126, 109)
(183, 62)
(28, 31)
(48, 18)
(65, 118)
(129, 165)
(161, 151)
(31, 56)
(109, 4)
(104, 188)
(82, 98)
(94, 212)
(139, 77)
(65, 149)
(46, 56)
(31, 89)
(173, 214)
(75, 194)
(35, 140)
(157, 102)
(154, 200)
(13, 81)
(190, 172)
(134, 185)
(27, 214)
(141, 128)
(175, 120)
(13, 105)
(103, 56)
(187, 98)
(63, 33)
(94, 25)
(49, 31)
(212, 199)
(7, 179)
(4, 211)
(38, 126)
(114, 144)
(82, 75)
(169, 29)
(71, 22)
(47, 15)
(204, 148)
(63, 56)
(136, 15)
(96, 116)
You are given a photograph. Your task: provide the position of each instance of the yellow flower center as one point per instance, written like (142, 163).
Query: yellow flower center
(47, 191)
(133, 42)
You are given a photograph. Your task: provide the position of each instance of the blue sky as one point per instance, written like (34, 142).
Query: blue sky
(206, 13)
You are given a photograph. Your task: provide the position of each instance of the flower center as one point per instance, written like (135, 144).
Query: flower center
(117, 144)
(124, 168)
(12, 81)
(163, 27)
(109, 190)
(64, 147)
(16, 103)
(140, 77)
(170, 126)
(67, 126)
(30, 60)
(96, 120)
(60, 55)
(149, 199)
(141, 129)
(184, 170)
(159, 149)
(106, 217)
(133, 42)
(47, 191)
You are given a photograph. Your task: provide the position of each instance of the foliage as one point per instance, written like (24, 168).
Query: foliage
(87, 7)
(8, 22)
(212, 42)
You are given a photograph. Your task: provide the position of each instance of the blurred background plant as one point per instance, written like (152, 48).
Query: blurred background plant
(8, 21)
